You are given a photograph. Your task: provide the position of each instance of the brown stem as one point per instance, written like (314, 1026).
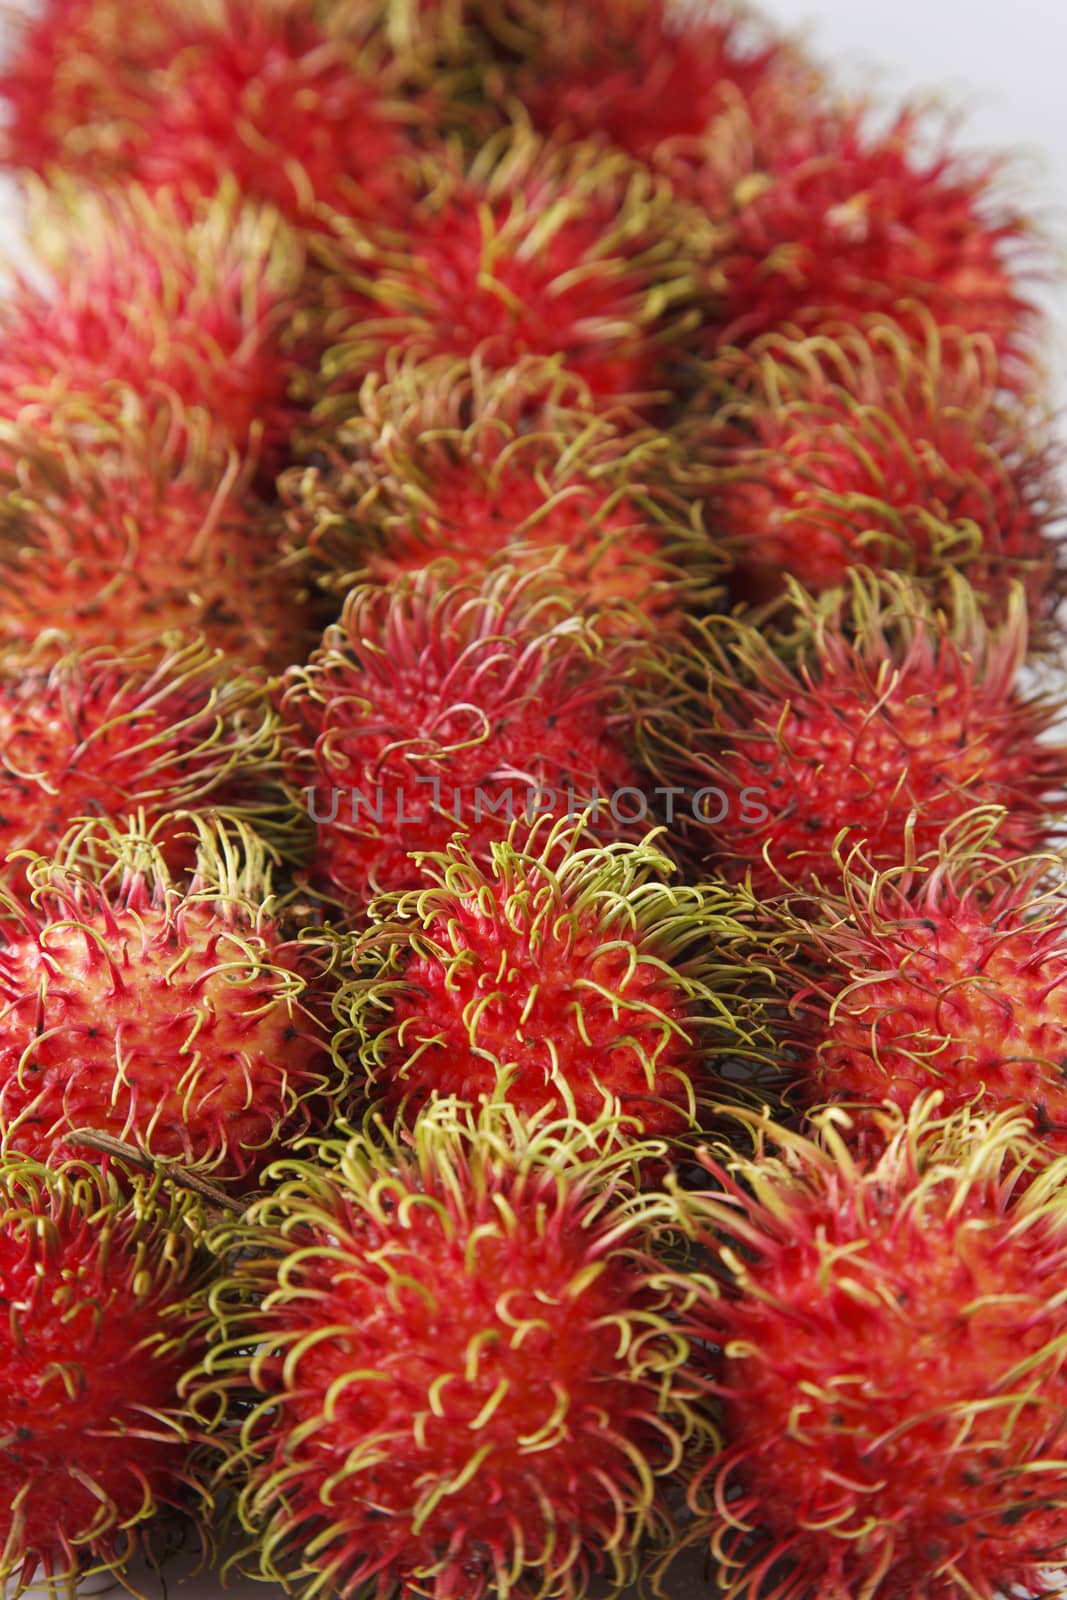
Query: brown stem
(106, 1144)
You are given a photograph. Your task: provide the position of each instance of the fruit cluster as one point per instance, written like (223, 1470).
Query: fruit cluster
(533, 937)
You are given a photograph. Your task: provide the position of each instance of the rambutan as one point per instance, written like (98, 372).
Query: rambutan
(147, 310)
(847, 223)
(567, 257)
(101, 1297)
(455, 1365)
(157, 733)
(951, 978)
(408, 483)
(131, 539)
(569, 979)
(432, 709)
(299, 115)
(887, 1345)
(827, 454)
(183, 1021)
(886, 721)
(687, 94)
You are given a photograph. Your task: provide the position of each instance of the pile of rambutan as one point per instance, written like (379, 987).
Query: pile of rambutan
(533, 893)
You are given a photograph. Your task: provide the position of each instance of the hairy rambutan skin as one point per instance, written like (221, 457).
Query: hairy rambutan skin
(887, 1344)
(156, 732)
(847, 223)
(102, 1296)
(410, 483)
(148, 532)
(882, 721)
(951, 977)
(181, 1020)
(573, 981)
(457, 1373)
(144, 302)
(434, 709)
(569, 256)
(863, 449)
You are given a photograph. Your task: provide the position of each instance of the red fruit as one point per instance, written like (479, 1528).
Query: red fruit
(298, 115)
(570, 980)
(568, 258)
(467, 1333)
(846, 223)
(892, 721)
(98, 1329)
(957, 983)
(690, 96)
(128, 541)
(825, 456)
(888, 1345)
(180, 1020)
(143, 311)
(155, 733)
(407, 484)
(431, 710)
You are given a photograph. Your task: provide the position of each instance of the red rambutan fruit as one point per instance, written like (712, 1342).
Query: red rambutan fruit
(847, 223)
(183, 1021)
(101, 1297)
(565, 257)
(128, 540)
(432, 710)
(457, 1372)
(574, 980)
(953, 979)
(299, 114)
(886, 722)
(146, 310)
(411, 482)
(683, 93)
(156, 733)
(828, 454)
(887, 1345)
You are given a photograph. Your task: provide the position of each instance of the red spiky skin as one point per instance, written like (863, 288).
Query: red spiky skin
(847, 224)
(564, 255)
(669, 94)
(885, 461)
(959, 986)
(142, 305)
(503, 1359)
(97, 1335)
(121, 549)
(109, 736)
(891, 1376)
(864, 747)
(187, 1026)
(294, 114)
(428, 707)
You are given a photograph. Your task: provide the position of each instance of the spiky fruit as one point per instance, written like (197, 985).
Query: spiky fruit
(433, 709)
(849, 222)
(579, 981)
(953, 978)
(866, 450)
(689, 94)
(132, 539)
(888, 1349)
(143, 303)
(890, 721)
(408, 483)
(100, 1321)
(157, 732)
(570, 257)
(455, 1364)
(183, 1021)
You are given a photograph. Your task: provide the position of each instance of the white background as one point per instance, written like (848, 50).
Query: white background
(1005, 66)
